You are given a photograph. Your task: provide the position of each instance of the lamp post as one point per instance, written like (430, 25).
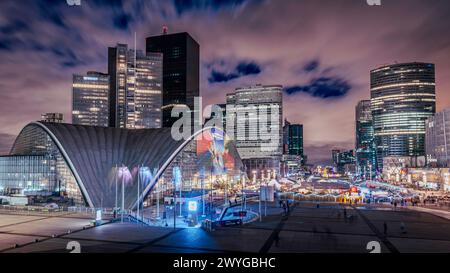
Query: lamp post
(123, 193)
(243, 192)
(370, 173)
(138, 190)
(260, 193)
(157, 198)
(364, 175)
(225, 178)
(265, 192)
(115, 180)
(202, 177)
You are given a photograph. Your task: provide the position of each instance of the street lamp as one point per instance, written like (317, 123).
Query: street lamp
(260, 193)
(243, 192)
(123, 171)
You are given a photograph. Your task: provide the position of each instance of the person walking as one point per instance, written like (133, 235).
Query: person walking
(403, 228)
(385, 228)
(276, 239)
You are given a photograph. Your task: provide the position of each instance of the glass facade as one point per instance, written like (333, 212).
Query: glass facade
(208, 171)
(438, 139)
(181, 70)
(90, 99)
(293, 139)
(343, 159)
(365, 145)
(27, 174)
(259, 139)
(402, 98)
(135, 97)
(37, 152)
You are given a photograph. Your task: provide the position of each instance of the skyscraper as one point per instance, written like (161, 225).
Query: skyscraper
(250, 121)
(52, 117)
(343, 160)
(402, 98)
(437, 137)
(90, 99)
(135, 97)
(365, 145)
(293, 139)
(181, 77)
(293, 157)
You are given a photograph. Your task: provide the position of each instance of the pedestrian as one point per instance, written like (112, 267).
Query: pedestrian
(385, 228)
(281, 203)
(276, 239)
(403, 228)
(235, 200)
(284, 208)
(229, 201)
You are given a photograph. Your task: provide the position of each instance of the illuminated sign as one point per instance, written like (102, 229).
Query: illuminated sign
(98, 215)
(192, 205)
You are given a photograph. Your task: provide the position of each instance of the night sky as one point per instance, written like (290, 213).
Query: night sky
(321, 51)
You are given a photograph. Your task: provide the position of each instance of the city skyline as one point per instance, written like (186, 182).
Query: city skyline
(316, 76)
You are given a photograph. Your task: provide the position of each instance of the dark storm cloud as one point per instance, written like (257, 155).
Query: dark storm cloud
(311, 66)
(242, 69)
(188, 5)
(323, 87)
(118, 16)
(122, 21)
(50, 10)
(17, 25)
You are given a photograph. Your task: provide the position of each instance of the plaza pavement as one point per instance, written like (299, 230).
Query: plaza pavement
(307, 229)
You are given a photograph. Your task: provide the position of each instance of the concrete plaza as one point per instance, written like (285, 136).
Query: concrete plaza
(307, 229)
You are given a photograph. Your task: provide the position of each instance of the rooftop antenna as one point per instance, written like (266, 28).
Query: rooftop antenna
(165, 29)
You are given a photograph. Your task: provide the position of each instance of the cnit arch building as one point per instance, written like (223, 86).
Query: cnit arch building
(93, 166)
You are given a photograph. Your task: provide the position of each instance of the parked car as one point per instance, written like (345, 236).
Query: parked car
(51, 206)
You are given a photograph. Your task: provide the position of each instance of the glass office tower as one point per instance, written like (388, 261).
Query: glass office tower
(135, 96)
(402, 98)
(90, 99)
(259, 139)
(181, 70)
(437, 139)
(365, 145)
